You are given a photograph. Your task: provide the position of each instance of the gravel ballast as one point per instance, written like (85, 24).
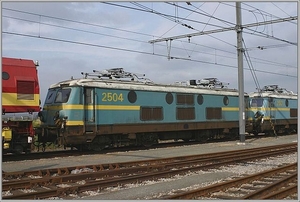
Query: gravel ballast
(193, 180)
(156, 189)
(144, 154)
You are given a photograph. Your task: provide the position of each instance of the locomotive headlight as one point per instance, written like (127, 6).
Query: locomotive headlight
(63, 124)
(29, 139)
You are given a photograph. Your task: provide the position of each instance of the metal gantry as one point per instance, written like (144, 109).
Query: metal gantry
(223, 29)
(238, 28)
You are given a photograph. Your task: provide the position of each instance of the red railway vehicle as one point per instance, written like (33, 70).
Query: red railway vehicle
(20, 94)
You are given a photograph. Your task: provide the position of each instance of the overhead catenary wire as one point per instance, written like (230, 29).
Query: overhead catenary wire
(251, 68)
(210, 17)
(130, 8)
(266, 13)
(75, 21)
(108, 35)
(136, 51)
(188, 26)
(139, 33)
(204, 14)
(179, 58)
(151, 35)
(174, 18)
(255, 9)
(266, 35)
(177, 22)
(169, 17)
(260, 34)
(183, 24)
(263, 47)
(140, 41)
(96, 25)
(280, 9)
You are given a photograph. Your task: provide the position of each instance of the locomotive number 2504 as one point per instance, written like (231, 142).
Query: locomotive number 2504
(115, 97)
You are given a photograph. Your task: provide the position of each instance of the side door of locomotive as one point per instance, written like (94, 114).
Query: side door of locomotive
(89, 101)
(271, 108)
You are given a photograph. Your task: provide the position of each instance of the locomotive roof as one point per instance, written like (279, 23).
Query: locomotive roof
(148, 86)
(272, 94)
(274, 91)
(18, 62)
(17, 69)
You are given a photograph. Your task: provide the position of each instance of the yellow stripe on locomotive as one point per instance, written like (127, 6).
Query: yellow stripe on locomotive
(13, 99)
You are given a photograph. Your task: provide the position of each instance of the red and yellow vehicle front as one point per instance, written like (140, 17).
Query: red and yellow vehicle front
(20, 95)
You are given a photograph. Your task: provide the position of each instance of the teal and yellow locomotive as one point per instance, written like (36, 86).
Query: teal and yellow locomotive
(273, 110)
(114, 108)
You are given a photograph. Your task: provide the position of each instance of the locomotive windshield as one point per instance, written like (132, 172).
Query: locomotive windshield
(62, 95)
(58, 96)
(257, 102)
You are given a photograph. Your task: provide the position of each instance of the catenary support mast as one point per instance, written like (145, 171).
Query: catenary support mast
(240, 52)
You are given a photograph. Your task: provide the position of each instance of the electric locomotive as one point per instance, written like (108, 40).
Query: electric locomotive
(114, 108)
(273, 110)
(20, 94)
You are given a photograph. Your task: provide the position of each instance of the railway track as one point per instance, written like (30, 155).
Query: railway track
(277, 183)
(62, 182)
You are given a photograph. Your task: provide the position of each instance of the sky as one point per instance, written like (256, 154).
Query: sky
(68, 38)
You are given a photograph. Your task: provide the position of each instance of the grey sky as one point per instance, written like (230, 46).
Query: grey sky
(68, 38)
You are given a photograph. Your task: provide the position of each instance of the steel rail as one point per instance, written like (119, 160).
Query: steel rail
(225, 185)
(282, 193)
(111, 166)
(223, 159)
(161, 170)
(262, 193)
(66, 176)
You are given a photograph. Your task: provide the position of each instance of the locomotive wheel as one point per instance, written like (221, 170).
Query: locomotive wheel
(81, 147)
(148, 140)
(99, 143)
(97, 146)
(186, 140)
(202, 137)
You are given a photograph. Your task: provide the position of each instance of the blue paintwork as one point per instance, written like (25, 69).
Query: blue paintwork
(278, 109)
(144, 98)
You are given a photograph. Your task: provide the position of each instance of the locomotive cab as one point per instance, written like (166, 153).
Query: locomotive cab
(54, 115)
(20, 94)
(273, 110)
(68, 110)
